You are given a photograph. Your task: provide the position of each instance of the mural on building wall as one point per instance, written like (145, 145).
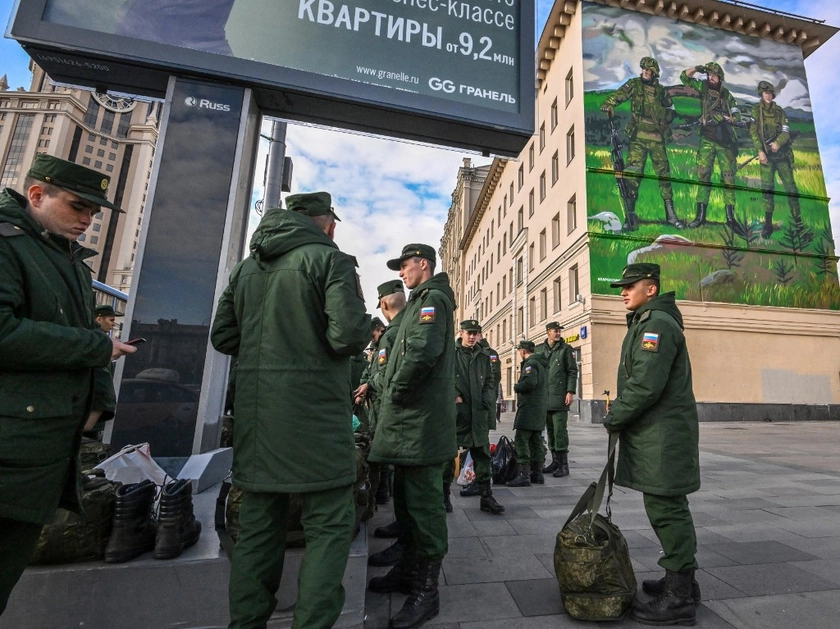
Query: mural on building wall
(701, 156)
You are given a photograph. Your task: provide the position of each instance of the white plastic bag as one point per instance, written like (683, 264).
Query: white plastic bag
(467, 474)
(133, 464)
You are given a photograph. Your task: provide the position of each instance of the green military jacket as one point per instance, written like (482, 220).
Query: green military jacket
(293, 316)
(496, 368)
(771, 125)
(651, 107)
(474, 382)
(374, 374)
(562, 373)
(417, 417)
(48, 354)
(532, 393)
(715, 105)
(655, 412)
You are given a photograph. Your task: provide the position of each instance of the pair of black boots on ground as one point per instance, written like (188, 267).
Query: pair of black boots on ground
(559, 466)
(676, 597)
(487, 504)
(136, 530)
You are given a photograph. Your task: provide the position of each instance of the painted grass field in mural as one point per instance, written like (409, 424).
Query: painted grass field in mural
(751, 247)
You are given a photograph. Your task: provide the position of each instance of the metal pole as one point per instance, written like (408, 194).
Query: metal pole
(274, 172)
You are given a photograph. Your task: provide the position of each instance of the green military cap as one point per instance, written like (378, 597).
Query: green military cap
(553, 325)
(84, 182)
(765, 86)
(376, 323)
(311, 204)
(411, 251)
(471, 325)
(528, 346)
(389, 288)
(634, 272)
(107, 310)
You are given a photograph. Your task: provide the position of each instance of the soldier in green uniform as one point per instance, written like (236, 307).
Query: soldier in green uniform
(475, 399)
(49, 351)
(416, 432)
(293, 314)
(104, 398)
(496, 368)
(770, 135)
(655, 415)
(649, 132)
(532, 400)
(562, 384)
(718, 141)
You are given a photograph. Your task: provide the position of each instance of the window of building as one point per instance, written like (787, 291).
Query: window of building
(570, 145)
(543, 304)
(17, 147)
(571, 214)
(554, 118)
(498, 293)
(103, 141)
(510, 281)
(97, 164)
(520, 318)
(555, 230)
(542, 245)
(81, 238)
(555, 167)
(112, 156)
(108, 118)
(542, 137)
(570, 87)
(511, 193)
(531, 157)
(532, 311)
(88, 149)
(91, 114)
(86, 161)
(97, 227)
(122, 128)
(498, 252)
(100, 153)
(520, 219)
(511, 232)
(521, 176)
(504, 328)
(520, 270)
(94, 240)
(504, 284)
(531, 257)
(542, 186)
(574, 287)
(91, 136)
(531, 203)
(109, 168)
(558, 302)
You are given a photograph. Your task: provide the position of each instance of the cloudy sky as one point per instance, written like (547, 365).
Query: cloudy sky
(390, 193)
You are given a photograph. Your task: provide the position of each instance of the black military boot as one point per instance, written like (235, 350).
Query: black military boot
(655, 587)
(631, 219)
(383, 492)
(134, 529)
(563, 470)
(387, 557)
(423, 603)
(548, 469)
(447, 503)
(731, 223)
(177, 527)
(671, 217)
(388, 531)
(700, 219)
(674, 606)
(400, 578)
(767, 230)
(470, 490)
(523, 477)
(488, 502)
(536, 475)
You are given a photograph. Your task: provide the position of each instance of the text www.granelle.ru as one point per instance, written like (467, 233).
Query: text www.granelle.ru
(388, 75)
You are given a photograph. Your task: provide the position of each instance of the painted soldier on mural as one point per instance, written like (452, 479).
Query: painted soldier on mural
(649, 132)
(771, 139)
(718, 140)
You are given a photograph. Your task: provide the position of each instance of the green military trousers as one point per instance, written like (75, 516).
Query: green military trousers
(418, 506)
(783, 166)
(328, 520)
(707, 153)
(17, 545)
(634, 165)
(529, 447)
(671, 520)
(556, 425)
(481, 466)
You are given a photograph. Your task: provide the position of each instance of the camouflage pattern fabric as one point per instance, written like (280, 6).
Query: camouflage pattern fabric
(92, 452)
(592, 564)
(72, 538)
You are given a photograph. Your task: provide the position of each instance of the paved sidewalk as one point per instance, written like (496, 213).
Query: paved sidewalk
(768, 528)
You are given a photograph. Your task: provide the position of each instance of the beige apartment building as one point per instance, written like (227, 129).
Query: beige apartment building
(527, 240)
(114, 135)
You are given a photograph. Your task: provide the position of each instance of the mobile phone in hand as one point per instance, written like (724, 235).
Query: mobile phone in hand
(135, 342)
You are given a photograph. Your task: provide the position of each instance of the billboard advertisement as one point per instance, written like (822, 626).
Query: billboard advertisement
(702, 157)
(466, 62)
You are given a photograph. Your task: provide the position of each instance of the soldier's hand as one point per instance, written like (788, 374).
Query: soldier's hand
(459, 399)
(120, 349)
(360, 393)
(701, 69)
(774, 146)
(607, 109)
(569, 398)
(762, 157)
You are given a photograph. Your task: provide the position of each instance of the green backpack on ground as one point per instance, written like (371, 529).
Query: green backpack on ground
(591, 558)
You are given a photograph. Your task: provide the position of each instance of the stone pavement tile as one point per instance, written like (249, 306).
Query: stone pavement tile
(726, 503)
(703, 518)
(809, 610)
(765, 580)
(708, 558)
(630, 520)
(706, 536)
(826, 568)
(823, 547)
(537, 527)
(820, 528)
(737, 515)
(547, 560)
(495, 526)
(711, 588)
(808, 513)
(746, 553)
(558, 621)
(512, 511)
(807, 500)
(754, 533)
(636, 540)
(493, 569)
(460, 527)
(466, 547)
(538, 597)
(475, 602)
(504, 546)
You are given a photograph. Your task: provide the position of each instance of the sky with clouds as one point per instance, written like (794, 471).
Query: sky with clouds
(389, 193)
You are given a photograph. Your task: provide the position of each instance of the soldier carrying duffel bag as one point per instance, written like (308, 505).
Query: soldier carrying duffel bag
(591, 558)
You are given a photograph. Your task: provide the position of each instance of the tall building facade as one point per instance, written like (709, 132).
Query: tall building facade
(664, 166)
(114, 135)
